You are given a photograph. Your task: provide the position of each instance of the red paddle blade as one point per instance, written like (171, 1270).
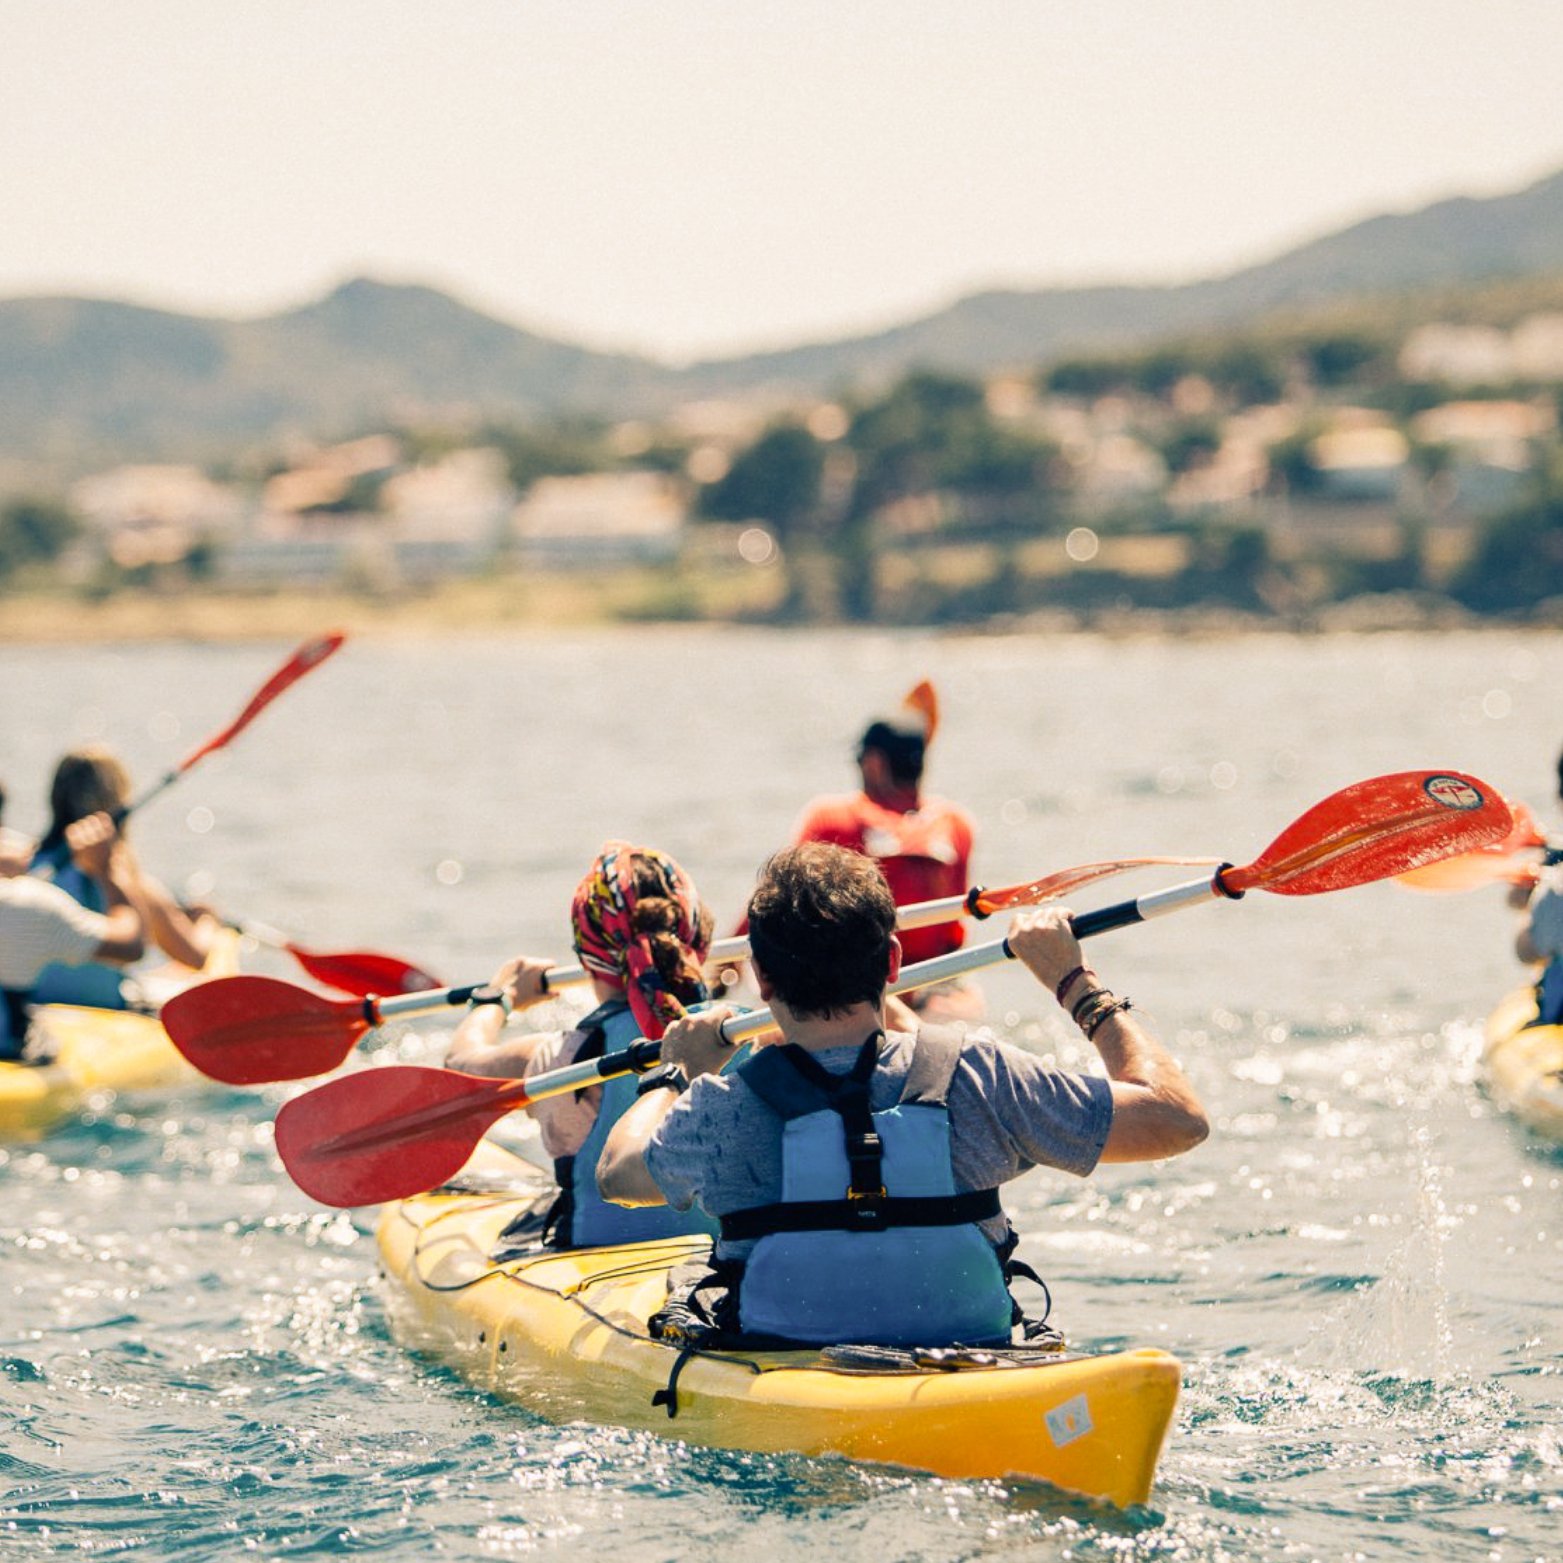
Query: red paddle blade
(251, 1030)
(308, 657)
(1051, 886)
(1377, 829)
(364, 972)
(387, 1133)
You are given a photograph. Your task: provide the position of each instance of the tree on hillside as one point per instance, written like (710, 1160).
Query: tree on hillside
(930, 433)
(1518, 558)
(777, 480)
(33, 531)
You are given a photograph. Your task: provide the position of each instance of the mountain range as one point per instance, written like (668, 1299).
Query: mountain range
(93, 379)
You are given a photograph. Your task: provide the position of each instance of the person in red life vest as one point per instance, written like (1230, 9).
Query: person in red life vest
(921, 843)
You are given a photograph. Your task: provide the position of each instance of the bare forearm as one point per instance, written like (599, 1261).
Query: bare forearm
(622, 1174)
(1156, 1111)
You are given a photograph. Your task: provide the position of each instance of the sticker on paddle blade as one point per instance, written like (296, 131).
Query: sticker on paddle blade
(1454, 792)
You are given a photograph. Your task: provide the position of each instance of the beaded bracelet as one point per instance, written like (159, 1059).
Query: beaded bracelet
(1086, 1000)
(1098, 1002)
(1101, 1015)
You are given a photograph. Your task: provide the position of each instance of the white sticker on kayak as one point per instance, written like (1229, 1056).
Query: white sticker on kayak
(1069, 1421)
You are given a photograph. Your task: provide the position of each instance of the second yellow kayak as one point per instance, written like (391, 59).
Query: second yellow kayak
(1524, 1063)
(95, 1052)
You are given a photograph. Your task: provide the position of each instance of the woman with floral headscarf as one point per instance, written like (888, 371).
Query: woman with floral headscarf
(642, 932)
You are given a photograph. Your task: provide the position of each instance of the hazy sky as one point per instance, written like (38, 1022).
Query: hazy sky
(691, 176)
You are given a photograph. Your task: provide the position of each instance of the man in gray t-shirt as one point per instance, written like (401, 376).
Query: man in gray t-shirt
(821, 926)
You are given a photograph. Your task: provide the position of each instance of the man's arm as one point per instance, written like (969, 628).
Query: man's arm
(693, 1044)
(1156, 1112)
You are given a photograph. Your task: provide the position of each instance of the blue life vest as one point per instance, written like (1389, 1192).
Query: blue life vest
(1549, 995)
(581, 1217)
(870, 1243)
(92, 983)
(57, 866)
(13, 1022)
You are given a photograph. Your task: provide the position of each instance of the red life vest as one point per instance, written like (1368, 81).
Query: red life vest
(925, 855)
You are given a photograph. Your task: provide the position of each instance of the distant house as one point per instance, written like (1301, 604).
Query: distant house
(1484, 355)
(601, 517)
(450, 516)
(1114, 468)
(1361, 461)
(1491, 446)
(140, 515)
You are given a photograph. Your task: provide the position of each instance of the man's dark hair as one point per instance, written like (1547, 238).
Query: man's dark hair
(903, 750)
(820, 923)
(2, 800)
(1560, 777)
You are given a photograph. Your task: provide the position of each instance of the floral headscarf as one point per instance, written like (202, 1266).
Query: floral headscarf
(609, 945)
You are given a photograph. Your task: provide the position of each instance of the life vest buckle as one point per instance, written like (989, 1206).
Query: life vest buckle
(867, 1206)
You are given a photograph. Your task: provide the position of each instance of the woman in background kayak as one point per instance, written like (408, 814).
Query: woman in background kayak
(86, 782)
(41, 926)
(642, 932)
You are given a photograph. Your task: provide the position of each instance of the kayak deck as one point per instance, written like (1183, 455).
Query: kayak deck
(565, 1335)
(1524, 1063)
(94, 1052)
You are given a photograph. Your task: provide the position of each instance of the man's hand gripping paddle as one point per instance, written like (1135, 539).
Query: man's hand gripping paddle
(390, 1133)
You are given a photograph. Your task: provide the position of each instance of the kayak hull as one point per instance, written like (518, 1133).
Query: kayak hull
(97, 1053)
(565, 1335)
(1524, 1064)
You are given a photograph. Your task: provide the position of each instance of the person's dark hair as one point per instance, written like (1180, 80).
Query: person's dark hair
(657, 916)
(903, 750)
(820, 923)
(2, 800)
(86, 781)
(1560, 777)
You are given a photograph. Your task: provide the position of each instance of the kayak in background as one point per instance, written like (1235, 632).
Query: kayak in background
(564, 1334)
(92, 1053)
(1524, 1063)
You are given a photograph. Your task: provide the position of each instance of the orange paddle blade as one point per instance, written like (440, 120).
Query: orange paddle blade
(250, 1030)
(1377, 829)
(1499, 862)
(387, 1133)
(922, 699)
(1050, 887)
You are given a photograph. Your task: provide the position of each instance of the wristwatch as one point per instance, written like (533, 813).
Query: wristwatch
(668, 1077)
(491, 995)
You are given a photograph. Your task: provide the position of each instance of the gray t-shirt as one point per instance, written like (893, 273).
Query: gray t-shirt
(1546, 915)
(721, 1146)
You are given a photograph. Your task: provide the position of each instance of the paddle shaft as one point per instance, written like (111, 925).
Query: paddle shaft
(643, 1054)
(307, 657)
(925, 914)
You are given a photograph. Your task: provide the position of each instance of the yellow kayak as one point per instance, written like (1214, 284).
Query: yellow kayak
(1524, 1063)
(98, 1052)
(564, 1334)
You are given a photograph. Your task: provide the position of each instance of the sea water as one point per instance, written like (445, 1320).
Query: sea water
(1362, 1269)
